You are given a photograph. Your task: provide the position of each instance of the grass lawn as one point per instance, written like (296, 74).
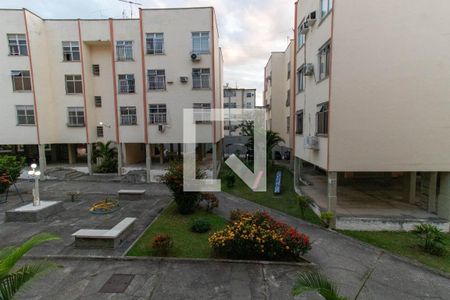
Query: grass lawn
(285, 202)
(404, 244)
(177, 226)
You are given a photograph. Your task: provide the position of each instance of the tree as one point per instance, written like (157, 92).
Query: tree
(314, 281)
(108, 156)
(11, 281)
(10, 168)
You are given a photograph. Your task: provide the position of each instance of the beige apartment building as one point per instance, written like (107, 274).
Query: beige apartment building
(278, 97)
(68, 84)
(372, 107)
(236, 98)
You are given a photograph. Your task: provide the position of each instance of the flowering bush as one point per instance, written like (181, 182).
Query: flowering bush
(161, 244)
(259, 236)
(186, 201)
(211, 201)
(10, 167)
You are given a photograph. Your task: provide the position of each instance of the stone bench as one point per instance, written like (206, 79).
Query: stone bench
(102, 238)
(131, 194)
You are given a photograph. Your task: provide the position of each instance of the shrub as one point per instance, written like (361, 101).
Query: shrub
(259, 236)
(186, 201)
(236, 214)
(211, 201)
(230, 179)
(326, 217)
(161, 244)
(303, 203)
(200, 225)
(10, 168)
(108, 158)
(432, 238)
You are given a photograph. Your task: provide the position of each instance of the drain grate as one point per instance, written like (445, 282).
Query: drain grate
(117, 283)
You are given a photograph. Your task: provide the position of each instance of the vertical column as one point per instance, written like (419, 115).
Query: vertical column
(297, 171)
(332, 196)
(42, 160)
(148, 162)
(89, 158)
(443, 205)
(214, 160)
(410, 187)
(119, 159)
(432, 192)
(72, 153)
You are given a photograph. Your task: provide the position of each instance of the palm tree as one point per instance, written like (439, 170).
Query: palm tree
(108, 155)
(314, 281)
(272, 139)
(12, 280)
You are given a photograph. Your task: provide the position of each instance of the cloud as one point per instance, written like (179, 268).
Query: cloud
(249, 29)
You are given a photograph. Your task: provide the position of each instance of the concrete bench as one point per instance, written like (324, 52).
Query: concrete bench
(131, 194)
(102, 238)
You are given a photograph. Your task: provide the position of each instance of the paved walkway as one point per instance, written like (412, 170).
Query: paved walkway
(347, 261)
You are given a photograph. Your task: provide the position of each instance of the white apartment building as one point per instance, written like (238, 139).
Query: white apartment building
(372, 97)
(236, 98)
(69, 83)
(278, 96)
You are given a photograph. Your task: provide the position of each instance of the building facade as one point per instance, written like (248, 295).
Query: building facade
(371, 97)
(236, 98)
(68, 84)
(278, 97)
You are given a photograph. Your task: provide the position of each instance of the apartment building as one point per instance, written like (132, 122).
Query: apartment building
(278, 96)
(236, 98)
(372, 100)
(69, 83)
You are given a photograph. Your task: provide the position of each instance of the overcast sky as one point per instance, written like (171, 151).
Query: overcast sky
(249, 29)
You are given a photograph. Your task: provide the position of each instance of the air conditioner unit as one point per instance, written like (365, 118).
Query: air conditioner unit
(195, 56)
(311, 18)
(184, 79)
(304, 27)
(161, 128)
(309, 70)
(311, 142)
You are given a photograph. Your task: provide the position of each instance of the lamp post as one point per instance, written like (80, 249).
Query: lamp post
(36, 175)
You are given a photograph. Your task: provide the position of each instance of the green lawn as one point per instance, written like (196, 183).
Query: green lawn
(404, 244)
(285, 202)
(177, 226)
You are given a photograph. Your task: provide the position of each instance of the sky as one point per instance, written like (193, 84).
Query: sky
(249, 30)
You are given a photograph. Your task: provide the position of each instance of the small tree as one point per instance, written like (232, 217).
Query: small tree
(10, 168)
(108, 157)
(314, 281)
(186, 201)
(432, 238)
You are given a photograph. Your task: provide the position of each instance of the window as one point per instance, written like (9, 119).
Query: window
(75, 116)
(200, 42)
(71, 51)
(126, 83)
(301, 79)
(200, 78)
(324, 61)
(229, 105)
(157, 114)
(288, 98)
(289, 70)
(249, 95)
(98, 101)
(248, 105)
(288, 124)
(74, 84)
(17, 44)
(322, 118)
(155, 43)
(229, 93)
(156, 79)
(299, 123)
(128, 115)
(25, 114)
(326, 6)
(99, 131)
(300, 37)
(96, 70)
(124, 50)
(202, 113)
(21, 80)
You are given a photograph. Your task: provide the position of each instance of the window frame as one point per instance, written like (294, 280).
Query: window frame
(74, 80)
(301, 79)
(325, 10)
(98, 101)
(124, 50)
(128, 82)
(201, 38)
(14, 37)
(128, 115)
(96, 70)
(198, 76)
(18, 75)
(159, 116)
(79, 115)
(324, 67)
(100, 132)
(153, 79)
(71, 45)
(322, 119)
(299, 122)
(27, 109)
(202, 112)
(151, 40)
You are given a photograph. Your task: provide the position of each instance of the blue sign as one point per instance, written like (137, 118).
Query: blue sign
(277, 189)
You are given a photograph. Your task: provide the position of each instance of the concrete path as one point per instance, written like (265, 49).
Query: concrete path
(347, 261)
